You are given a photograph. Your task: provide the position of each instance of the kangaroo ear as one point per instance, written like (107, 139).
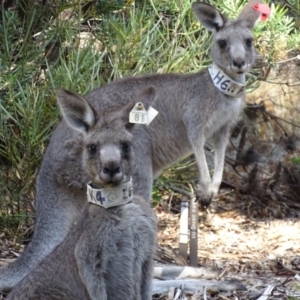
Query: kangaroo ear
(146, 97)
(249, 15)
(209, 16)
(77, 112)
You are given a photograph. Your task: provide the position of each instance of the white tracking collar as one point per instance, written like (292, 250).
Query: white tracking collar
(110, 197)
(224, 83)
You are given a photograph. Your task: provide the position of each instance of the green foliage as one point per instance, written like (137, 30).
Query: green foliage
(41, 50)
(12, 224)
(295, 160)
(104, 6)
(275, 35)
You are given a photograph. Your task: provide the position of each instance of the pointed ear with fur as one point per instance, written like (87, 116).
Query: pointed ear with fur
(77, 112)
(249, 15)
(146, 97)
(209, 16)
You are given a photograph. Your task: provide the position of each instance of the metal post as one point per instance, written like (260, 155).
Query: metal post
(194, 232)
(184, 229)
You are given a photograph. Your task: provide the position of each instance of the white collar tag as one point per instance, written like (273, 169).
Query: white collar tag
(224, 83)
(110, 197)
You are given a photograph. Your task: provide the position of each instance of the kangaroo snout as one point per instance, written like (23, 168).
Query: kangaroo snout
(238, 63)
(111, 172)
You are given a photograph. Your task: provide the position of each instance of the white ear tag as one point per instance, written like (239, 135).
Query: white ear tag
(138, 114)
(152, 113)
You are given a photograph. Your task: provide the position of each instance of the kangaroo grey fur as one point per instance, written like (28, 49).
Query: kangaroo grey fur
(109, 253)
(191, 110)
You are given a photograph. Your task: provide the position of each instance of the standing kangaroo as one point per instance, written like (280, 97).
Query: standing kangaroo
(192, 108)
(109, 253)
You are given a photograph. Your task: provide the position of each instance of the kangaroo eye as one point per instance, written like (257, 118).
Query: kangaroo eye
(125, 147)
(222, 44)
(248, 42)
(92, 148)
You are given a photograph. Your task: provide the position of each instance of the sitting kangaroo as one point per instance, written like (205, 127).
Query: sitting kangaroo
(192, 108)
(109, 253)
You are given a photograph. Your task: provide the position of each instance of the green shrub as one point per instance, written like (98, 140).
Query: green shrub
(42, 51)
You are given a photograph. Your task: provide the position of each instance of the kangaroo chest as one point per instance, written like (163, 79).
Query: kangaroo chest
(225, 114)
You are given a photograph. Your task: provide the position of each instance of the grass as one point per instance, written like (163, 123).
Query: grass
(41, 51)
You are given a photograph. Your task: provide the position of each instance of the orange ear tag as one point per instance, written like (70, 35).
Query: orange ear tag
(264, 9)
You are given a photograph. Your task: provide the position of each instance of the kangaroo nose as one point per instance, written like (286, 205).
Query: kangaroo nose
(112, 170)
(238, 63)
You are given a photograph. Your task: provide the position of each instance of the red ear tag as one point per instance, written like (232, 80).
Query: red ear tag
(264, 9)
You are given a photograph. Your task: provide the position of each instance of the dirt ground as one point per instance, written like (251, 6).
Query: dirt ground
(259, 253)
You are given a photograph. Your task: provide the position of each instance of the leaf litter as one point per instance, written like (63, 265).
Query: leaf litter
(262, 253)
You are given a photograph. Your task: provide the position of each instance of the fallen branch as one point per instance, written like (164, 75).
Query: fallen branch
(191, 286)
(178, 272)
(267, 293)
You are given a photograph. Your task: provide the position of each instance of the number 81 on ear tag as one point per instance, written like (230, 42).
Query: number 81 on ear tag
(138, 114)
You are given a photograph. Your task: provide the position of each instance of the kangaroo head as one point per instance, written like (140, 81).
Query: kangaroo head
(232, 48)
(107, 152)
